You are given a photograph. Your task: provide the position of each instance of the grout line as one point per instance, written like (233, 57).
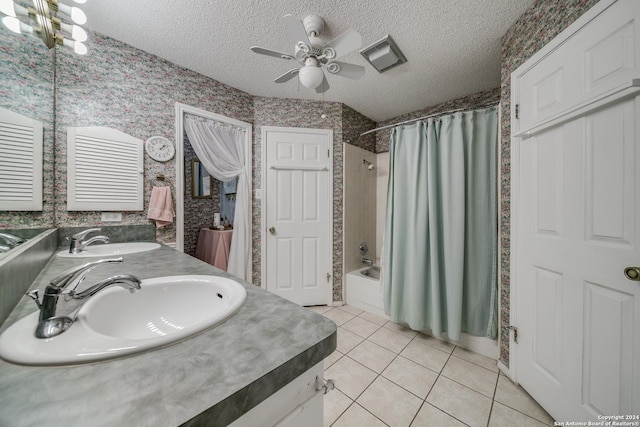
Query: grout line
(493, 400)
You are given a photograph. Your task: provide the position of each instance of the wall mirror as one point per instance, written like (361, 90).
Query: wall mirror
(27, 89)
(201, 181)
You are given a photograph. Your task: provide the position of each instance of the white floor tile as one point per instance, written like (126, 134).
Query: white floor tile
(430, 416)
(425, 355)
(350, 377)
(351, 310)
(476, 358)
(400, 329)
(357, 416)
(338, 316)
(347, 341)
(372, 356)
(332, 358)
(335, 403)
(461, 402)
(515, 397)
(390, 340)
(373, 318)
(392, 404)
(319, 308)
(435, 343)
(411, 376)
(361, 327)
(503, 416)
(473, 376)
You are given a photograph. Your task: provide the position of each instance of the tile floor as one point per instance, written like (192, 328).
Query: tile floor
(388, 375)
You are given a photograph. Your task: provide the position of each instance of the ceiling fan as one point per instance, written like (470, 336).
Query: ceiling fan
(313, 54)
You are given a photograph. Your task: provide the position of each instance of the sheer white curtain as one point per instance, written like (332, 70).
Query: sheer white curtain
(221, 151)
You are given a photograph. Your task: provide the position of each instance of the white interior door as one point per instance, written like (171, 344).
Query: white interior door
(577, 218)
(298, 207)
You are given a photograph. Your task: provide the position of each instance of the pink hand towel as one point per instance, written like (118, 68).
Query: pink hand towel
(161, 206)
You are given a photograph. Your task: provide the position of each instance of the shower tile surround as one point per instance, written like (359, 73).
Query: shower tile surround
(359, 206)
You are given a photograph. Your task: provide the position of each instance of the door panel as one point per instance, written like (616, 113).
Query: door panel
(578, 351)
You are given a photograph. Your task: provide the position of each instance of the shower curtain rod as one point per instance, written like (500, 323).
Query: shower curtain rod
(442, 113)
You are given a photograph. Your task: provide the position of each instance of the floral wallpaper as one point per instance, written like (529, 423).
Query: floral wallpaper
(118, 86)
(26, 87)
(534, 29)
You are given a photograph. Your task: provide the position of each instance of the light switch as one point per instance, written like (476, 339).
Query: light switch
(111, 216)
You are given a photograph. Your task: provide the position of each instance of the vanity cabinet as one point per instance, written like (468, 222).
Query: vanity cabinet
(296, 404)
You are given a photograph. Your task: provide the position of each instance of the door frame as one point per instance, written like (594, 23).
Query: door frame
(515, 214)
(181, 109)
(263, 197)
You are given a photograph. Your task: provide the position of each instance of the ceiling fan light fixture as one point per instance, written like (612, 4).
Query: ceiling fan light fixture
(311, 75)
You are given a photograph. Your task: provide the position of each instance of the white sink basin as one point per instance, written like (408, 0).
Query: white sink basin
(110, 249)
(116, 323)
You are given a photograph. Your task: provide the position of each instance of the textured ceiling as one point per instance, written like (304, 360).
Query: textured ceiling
(452, 46)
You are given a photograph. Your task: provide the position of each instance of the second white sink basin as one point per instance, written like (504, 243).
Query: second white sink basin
(111, 249)
(116, 323)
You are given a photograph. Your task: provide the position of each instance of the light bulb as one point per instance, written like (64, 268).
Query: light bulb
(7, 8)
(78, 47)
(76, 32)
(80, 1)
(77, 15)
(310, 74)
(15, 25)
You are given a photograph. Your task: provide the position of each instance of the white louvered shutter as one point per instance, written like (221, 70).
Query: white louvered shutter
(104, 170)
(20, 162)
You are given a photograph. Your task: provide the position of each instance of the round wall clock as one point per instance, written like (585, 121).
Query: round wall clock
(159, 148)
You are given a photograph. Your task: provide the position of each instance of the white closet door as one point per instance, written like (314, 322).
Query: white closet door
(576, 218)
(298, 214)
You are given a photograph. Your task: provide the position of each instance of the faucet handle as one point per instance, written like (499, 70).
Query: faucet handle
(34, 296)
(81, 235)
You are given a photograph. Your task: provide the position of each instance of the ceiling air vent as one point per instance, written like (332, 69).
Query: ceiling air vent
(383, 54)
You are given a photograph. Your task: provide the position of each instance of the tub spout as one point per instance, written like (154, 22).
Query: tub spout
(367, 261)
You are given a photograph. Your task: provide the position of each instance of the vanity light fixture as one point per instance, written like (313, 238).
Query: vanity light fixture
(44, 23)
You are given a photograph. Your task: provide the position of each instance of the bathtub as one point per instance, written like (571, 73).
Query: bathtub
(363, 290)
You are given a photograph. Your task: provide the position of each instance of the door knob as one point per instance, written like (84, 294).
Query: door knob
(272, 230)
(632, 273)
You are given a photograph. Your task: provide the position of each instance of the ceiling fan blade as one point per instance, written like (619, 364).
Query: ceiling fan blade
(269, 52)
(297, 32)
(350, 71)
(287, 76)
(346, 42)
(324, 86)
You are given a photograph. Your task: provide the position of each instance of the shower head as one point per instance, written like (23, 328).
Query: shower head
(370, 166)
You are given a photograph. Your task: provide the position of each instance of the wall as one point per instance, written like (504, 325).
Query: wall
(125, 88)
(534, 29)
(26, 87)
(359, 206)
(466, 102)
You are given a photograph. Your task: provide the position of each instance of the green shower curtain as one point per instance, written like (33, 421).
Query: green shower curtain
(439, 267)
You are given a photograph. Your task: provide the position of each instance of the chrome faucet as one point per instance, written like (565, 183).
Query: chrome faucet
(77, 242)
(10, 241)
(367, 261)
(61, 301)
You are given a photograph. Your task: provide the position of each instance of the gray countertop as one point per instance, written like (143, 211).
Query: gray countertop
(209, 379)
